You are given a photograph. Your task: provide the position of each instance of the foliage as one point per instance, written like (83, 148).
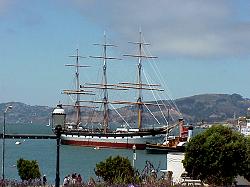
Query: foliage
(216, 156)
(116, 170)
(246, 169)
(28, 169)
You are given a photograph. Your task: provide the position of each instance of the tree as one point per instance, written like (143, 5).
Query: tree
(216, 156)
(246, 169)
(28, 169)
(116, 170)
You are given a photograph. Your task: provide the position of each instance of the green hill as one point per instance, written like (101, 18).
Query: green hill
(207, 107)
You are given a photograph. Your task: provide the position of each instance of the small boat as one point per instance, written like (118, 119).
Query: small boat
(166, 148)
(48, 123)
(172, 143)
(17, 143)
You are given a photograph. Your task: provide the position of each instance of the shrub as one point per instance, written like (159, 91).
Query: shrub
(28, 169)
(116, 170)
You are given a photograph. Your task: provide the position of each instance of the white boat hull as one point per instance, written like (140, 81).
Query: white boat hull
(125, 142)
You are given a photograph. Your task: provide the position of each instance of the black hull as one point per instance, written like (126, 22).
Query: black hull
(161, 149)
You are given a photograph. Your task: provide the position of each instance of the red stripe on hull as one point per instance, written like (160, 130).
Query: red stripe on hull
(103, 144)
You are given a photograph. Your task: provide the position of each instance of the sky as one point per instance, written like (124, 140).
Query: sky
(203, 46)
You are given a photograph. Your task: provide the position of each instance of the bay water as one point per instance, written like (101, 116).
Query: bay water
(73, 159)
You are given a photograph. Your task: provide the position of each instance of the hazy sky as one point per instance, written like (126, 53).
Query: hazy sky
(203, 46)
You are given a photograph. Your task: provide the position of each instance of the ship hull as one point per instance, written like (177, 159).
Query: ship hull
(163, 149)
(120, 141)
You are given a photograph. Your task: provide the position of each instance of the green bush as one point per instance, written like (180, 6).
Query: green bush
(28, 169)
(116, 170)
(217, 156)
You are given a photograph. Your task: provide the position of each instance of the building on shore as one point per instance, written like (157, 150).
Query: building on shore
(244, 124)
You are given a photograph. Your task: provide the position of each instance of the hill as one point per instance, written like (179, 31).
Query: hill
(22, 113)
(207, 107)
(213, 107)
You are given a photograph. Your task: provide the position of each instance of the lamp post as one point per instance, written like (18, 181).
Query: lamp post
(58, 121)
(3, 146)
(58, 131)
(134, 155)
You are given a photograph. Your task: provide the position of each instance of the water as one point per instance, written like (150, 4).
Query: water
(73, 159)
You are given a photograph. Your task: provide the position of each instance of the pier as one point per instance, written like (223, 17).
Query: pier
(28, 136)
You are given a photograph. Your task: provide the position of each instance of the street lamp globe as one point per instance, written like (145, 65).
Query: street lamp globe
(58, 117)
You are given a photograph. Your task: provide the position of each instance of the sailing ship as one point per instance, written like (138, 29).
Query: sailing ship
(106, 137)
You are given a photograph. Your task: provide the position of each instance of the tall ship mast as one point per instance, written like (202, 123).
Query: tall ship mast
(104, 84)
(124, 137)
(77, 91)
(139, 85)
